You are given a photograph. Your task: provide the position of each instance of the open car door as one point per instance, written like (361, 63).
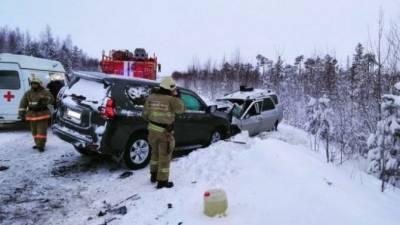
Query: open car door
(251, 120)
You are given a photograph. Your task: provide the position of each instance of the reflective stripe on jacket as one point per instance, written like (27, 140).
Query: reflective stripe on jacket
(154, 127)
(37, 118)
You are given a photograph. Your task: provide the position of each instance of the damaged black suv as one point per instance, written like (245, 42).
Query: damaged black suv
(101, 113)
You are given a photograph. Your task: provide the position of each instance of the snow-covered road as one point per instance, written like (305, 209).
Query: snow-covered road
(273, 179)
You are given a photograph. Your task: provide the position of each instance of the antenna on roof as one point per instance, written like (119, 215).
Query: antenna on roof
(245, 88)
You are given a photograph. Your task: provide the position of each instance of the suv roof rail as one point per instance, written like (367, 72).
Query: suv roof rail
(249, 93)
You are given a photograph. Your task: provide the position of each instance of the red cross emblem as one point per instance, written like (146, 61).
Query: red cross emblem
(9, 96)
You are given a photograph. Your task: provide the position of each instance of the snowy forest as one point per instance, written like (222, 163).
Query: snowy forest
(340, 105)
(46, 46)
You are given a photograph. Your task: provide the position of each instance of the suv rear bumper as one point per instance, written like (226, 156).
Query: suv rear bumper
(72, 137)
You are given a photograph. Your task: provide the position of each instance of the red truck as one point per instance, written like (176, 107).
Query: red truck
(137, 64)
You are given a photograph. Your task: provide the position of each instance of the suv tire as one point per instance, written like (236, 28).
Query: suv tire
(215, 136)
(137, 153)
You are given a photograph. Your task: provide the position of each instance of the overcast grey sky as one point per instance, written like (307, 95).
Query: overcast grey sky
(179, 31)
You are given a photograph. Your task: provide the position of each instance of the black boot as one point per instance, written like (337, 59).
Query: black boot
(153, 177)
(41, 149)
(34, 147)
(164, 184)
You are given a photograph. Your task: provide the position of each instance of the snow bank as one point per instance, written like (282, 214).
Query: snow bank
(275, 179)
(271, 179)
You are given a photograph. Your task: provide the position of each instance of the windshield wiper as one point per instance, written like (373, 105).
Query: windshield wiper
(78, 97)
(81, 98)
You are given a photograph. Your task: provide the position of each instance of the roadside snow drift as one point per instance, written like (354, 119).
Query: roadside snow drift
(272, 179)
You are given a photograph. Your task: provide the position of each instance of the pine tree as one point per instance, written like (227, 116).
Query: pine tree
(319, 122)
(330, 75)
(384, 144)
(48, 45)
(357, 73)
(277, 73)
(19, 42)
(76, 58)
(313, 121)
(3, 39)
(12, 42)
(65, 56)
(325, 129)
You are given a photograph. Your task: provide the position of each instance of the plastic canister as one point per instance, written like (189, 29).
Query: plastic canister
(215, 202)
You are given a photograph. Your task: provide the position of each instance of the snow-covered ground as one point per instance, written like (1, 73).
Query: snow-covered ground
(273, 179)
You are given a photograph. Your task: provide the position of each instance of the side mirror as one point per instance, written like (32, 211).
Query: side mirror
(211, 109)
(159, 68)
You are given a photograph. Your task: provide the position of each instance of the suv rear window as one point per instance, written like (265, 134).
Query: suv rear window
(268, 104)
(9, 79)
(91, 90)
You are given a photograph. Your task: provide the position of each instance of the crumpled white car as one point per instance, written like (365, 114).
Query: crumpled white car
(254, 110)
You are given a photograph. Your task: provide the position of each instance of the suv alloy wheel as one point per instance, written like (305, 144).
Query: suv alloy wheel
(137, 153)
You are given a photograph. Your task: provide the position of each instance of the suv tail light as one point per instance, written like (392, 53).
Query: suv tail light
(108, 111)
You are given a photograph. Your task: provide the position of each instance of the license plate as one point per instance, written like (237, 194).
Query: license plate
(73, 114)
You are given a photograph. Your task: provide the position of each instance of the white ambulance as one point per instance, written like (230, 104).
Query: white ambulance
(15, 73)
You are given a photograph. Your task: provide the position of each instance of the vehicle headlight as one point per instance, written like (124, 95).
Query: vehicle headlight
(57, 76)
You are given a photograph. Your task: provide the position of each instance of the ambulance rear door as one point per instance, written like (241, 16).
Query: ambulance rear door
(11, 91)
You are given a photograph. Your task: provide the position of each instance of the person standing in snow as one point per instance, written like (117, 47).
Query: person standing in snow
(159, 110)
(54, 87)
(34, 108)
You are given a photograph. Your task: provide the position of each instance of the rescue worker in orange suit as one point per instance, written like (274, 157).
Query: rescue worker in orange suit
(33, 109)
(159, 110)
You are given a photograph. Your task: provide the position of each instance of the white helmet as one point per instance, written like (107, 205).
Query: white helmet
(35, 79)
(168, 84)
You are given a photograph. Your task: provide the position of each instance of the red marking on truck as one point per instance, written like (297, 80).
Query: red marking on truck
(128, 64)
(9, 96)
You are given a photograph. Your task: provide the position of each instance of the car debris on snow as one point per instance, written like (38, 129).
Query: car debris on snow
(122, 210)
(328, 182)
(2, 168)
(236, 142)
(117, 209)
(132, 198)
(109, 221)
(125, 174)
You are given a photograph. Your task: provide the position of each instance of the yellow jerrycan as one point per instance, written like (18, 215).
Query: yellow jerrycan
(215, 202)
